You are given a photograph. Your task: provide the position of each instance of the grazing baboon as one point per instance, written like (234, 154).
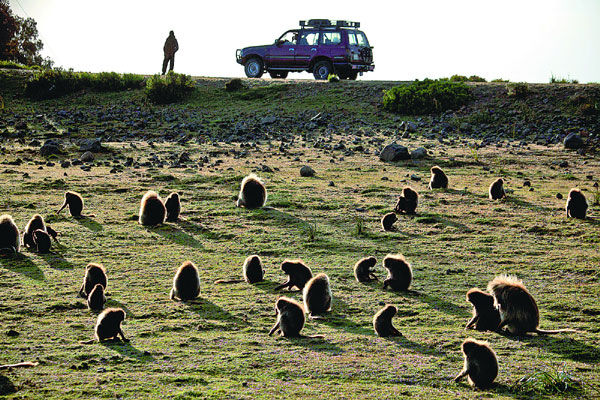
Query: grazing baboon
(576, 204)
(173, 206)
(252, 269)
(387, 222)
(75, 203)
(382, 322)
(42, 241)
(96, 298)
(109, 324)
(438, 178)
(486, 316)
(186, 283)
(10, 239)
(290, 317)
(36, 222)
(253, 193)
(152, 209)
(94, 274)
(518, 309)
(298, 274)
(317, 295)
(363, 269)
(399, 272)
(481, 364)
(496, 191)
(407, 202)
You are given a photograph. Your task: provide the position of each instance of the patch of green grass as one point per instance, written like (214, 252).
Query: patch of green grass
(549, 381)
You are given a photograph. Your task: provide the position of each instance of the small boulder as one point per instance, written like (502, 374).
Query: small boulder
(88, 156)
(573, 141)
(50, 147)
(419, 153)
(394, 152)
(93, 145)
(307, 171)
(233, 85)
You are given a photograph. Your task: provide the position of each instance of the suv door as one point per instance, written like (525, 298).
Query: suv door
(281, 54)
(331, 46)
(306, 48)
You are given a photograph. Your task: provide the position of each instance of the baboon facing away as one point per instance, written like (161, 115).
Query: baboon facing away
(186, 283)
(173, 206)
(252, 269)
(152, 209)
(317, 295)
(94, 274)
(486, 316)
(253, 193)
(399, 272)
(576, 204)
(438, 178)
(496, 191)
(10, 240)
(290, 317)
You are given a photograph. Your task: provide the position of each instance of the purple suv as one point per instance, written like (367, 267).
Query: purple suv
(320, 46)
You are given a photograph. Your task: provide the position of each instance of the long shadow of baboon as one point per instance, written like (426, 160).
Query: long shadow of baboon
(176, 235)
(564, 346)
(22, 264)
(127, 349)
(89, 223)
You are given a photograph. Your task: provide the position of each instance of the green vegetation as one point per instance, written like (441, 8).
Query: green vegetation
(462, 78)
(426, 97)
(168, 89)
(552, 381)
(556, 79)
(15, 65)
(518, 90)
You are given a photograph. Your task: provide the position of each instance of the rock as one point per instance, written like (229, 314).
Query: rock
(184, 157)
(266, 168)
(21, 126)
(268, 120)
(307, 171)
(573, 141)
(6, 386)
(559, 196)
(415, 177)
(12, 333)
(35, 143)
(234, 84)
(331, 184)
(564, 164)
(526, 183)
(394, 152)
(50, 147)
(88, 156)
(65, 164)
(419, 153)
(93, 145)
(408, 126)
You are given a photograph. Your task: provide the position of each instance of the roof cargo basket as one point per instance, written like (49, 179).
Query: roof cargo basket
(326, 23)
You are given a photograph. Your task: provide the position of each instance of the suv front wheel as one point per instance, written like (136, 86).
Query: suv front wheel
(322, 69)
(253, 68)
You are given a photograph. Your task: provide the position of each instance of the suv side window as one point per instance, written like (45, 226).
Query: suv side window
(309, 39)
(357, 38)
(328, 38)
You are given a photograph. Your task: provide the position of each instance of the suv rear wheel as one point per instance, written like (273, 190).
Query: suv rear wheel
(278, 74)
(322, 69)
(253, 68)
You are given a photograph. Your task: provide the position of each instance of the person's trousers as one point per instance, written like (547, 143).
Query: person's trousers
(166, 61)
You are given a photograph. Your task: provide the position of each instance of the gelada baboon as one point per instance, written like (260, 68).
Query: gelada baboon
(298, 274)
(75, 203)
(486, 316)
(382, 322)
(399, 272)
(387, 222)
(94, 274)
(317, 295)
(186, 283)
(109, 324)
(173, 206)
(481, 364)
(253, 193)
(518, 309)
(438, 179)
(290, 317)
(152, 209)
(576, 204)
(407, 202)
(36, 222)
(363, 269)
(42, 241)
(96, 298)
(252, 269)
(496, 191)
(10, 240)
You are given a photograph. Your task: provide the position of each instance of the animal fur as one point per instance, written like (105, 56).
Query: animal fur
(382, 322)
(186, 283)
(290, 317)
(94, 274)
(496, 190)
(407, 202)
(363, 269)
(152, 209)
(9, 234)
(576, 204)
(387, 221)
(399, 272)
(317, 295)
(173, 207)
(438, 178)
(298, 274)
(481, 364)
(486, 316)
(253, 193)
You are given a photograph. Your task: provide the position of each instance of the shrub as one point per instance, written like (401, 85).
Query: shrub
(426, 97)
(462, 78)
(13, 65)
(519, 90)
(169, 89)
(551, 381)
(332, 78)
(556, 79)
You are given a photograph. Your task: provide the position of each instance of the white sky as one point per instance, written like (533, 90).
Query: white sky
(519, 40)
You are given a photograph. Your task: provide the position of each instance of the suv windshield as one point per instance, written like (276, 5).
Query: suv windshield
(357, 39)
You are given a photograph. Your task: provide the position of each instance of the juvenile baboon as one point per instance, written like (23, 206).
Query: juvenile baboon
(399, 272)
(253, 193)
(387, 221)
(75, 203)
(486, 316)
(173, 206)
(10, 240)
(438, 178)
(382, 322)
(518, 309)
(94, 274)
(109, 324)
(576, 204)
(481, 364)
(152, 209)
(36, 222)
(363, 269)
(186, 283)
(42, 241)
(252, 269)
(96, 298)
(298, 274)
(290, 317)
(497, 189)
(317, 295)
(407, 202)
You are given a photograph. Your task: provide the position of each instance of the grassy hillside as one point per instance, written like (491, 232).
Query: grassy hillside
(217, 346)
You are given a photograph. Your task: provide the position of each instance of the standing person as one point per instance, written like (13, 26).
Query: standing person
(170, 47)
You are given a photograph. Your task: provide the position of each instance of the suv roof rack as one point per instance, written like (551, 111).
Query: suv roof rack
(325, 23)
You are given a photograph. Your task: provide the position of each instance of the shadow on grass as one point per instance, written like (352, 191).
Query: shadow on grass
(429, 218)
(176, 235)
(269, 286)
(274, 214)
(209, 310)
(565, 346)
(315, 344)
(89, 223)
(194, 227)
(127, 349)
(336, 319)
(23, 265)
(405, 343)
(56, 260)
(114, 303)
(437, 304)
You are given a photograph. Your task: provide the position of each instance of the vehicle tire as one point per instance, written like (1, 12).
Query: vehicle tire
(352, 75)
(278, 74)
(322, 69)
(342, 74)
(253, 68)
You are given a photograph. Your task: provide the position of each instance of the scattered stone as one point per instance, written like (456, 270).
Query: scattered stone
(268, 120)
(65, 164)
(331, 184)
(88, 156)
(419, 153)
(184, 157)
(573, 141)
(35, 143)
(12, 333)
(266, 168)
(415, 177)
(408, 126)
(394, 152)
(564, 164)
(234, 84)
(93, 145)
(307, 171)
(6, 386)
(527, 183)
(21, 126)
(50, 147)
